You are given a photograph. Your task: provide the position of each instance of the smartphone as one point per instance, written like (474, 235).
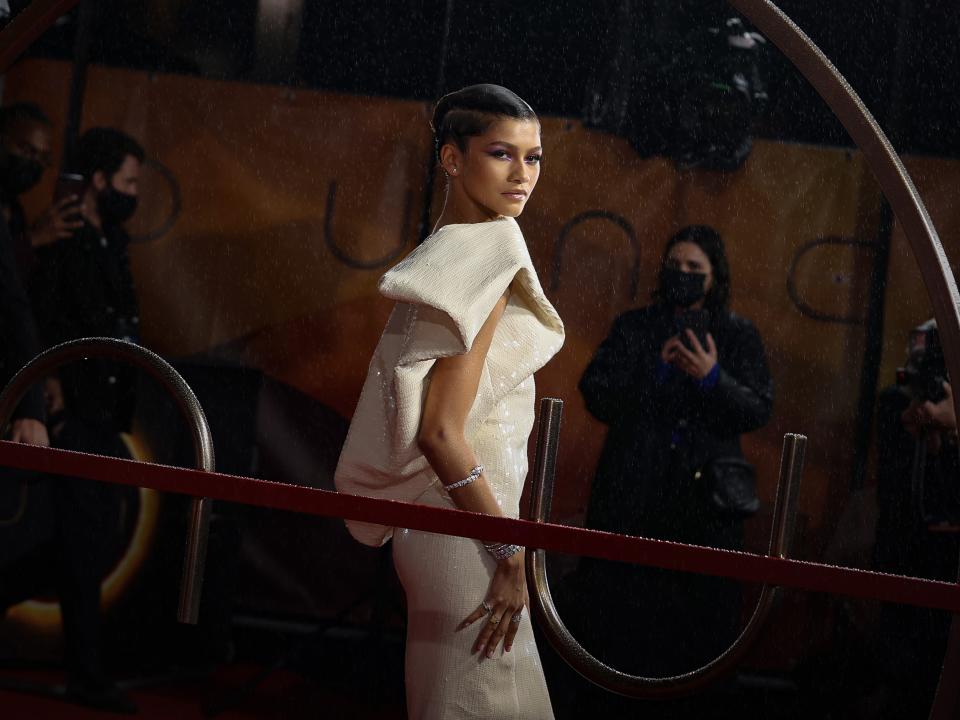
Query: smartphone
(696, 320)
(69, 184)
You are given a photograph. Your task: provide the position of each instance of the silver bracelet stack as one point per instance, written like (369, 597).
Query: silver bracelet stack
(501, 551)
(474, 474)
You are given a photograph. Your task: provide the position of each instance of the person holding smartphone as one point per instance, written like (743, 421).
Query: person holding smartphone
(677, 383)
(83, 287)
(25, 155)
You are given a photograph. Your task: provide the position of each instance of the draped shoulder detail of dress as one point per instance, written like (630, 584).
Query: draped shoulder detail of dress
(445, 290)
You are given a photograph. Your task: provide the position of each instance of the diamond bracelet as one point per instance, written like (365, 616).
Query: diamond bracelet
(501, 551)
(474, 474)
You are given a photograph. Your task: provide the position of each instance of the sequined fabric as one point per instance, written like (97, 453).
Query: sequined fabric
(445, 290)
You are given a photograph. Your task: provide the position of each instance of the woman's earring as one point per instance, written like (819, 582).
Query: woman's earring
(453, 171)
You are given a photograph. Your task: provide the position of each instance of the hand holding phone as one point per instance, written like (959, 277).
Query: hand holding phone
(65, 216)
(69, 185)
(696, 320)
(692, 349)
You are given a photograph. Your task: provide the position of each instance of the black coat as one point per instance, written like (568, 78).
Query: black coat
(663, 426)
(82, 287)
(18, 333)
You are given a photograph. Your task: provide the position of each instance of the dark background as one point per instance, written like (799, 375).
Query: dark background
(549, 52)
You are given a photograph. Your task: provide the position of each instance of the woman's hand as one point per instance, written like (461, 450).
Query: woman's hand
(503, 608)
(698, 362)
(670, 348)
(451, 393)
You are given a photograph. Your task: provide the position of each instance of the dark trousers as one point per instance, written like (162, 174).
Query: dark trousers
(62, 543)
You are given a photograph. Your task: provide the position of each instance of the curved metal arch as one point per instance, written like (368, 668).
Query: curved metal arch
(909, 209)
(46, 362)
(905, 201)
(882, 159)
(781, 538)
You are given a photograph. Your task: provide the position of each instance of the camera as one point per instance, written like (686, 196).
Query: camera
(926, 371)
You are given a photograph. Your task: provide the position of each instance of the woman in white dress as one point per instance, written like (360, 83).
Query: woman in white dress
(447, 409)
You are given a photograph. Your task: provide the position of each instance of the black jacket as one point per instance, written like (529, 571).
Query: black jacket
(83, 287)
(663, 426)
(18, 332)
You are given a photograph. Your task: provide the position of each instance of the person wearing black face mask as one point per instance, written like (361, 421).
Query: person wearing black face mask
(24, 154)
(115, 206)
(24, 158)
(24, 149)
(682, 289)
(83, 287)
(19, 173)
(676, 383)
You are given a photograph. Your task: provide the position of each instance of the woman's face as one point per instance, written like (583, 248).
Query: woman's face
(689, 258)
(497, 173)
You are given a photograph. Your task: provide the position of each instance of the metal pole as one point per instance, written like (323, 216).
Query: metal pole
(876, 307)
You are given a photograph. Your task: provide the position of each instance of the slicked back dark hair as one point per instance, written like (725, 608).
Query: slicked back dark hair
(470, 111)
(104, 149)
(708, 240)
(24, 112)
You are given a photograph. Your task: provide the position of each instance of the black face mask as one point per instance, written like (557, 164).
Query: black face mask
(18, 174)
(115, 207)
(681, 288)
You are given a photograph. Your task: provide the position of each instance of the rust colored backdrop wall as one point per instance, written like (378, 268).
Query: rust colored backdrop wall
(294, 203)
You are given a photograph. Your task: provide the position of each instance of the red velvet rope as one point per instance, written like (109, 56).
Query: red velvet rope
(558, 538)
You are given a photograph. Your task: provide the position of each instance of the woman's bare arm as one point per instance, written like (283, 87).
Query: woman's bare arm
(452, 391)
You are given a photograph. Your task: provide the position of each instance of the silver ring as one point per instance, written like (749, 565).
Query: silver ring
(517, 617)
(487, 607)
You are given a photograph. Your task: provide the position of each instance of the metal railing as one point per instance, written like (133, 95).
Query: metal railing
(191, 582)
(570, 649)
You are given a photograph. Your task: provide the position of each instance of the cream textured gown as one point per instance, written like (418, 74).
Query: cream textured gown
(445, 290)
